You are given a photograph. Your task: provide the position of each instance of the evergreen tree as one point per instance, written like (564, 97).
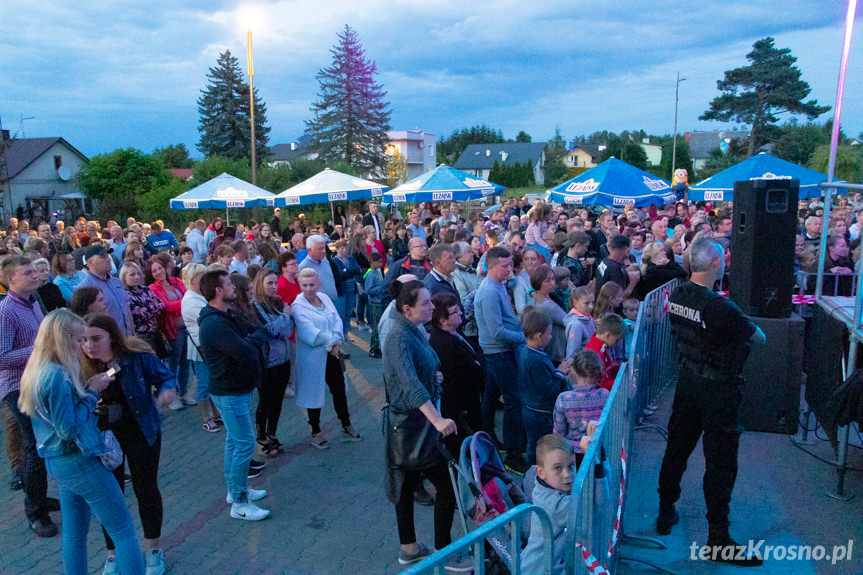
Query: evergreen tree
(495, 174)
(555, 169)
(351, 115)
(224, 122)
(449, 149)
(523, 137)
(756, 93)
(683, 160)
(174, 156)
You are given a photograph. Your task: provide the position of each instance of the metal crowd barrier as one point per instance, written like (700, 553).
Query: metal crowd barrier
(595, 528)
(598, 502)
(475, 540)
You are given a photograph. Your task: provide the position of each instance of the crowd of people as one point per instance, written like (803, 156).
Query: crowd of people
(525, 310)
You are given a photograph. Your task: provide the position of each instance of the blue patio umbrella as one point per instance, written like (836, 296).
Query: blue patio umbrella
(330, 186)
(614, 183)
(720, 187)
(442, 184)
(223, 192)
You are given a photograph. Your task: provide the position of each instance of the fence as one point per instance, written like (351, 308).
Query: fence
(598, 502)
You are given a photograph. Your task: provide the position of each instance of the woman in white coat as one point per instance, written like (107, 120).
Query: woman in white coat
(319, 341)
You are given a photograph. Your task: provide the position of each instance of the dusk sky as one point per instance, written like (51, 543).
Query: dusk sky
(107, 75)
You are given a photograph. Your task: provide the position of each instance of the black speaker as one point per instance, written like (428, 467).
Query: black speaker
(773, 374)
(762, 246)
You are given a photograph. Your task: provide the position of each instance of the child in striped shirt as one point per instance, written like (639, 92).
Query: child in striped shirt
(575, 409)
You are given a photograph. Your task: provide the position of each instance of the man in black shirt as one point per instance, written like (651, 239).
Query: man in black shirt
(714, 338)
(613, 268)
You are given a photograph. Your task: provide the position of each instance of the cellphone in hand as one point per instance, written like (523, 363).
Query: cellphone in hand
(111, 372)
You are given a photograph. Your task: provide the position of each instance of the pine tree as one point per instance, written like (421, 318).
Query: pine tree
(755, 94)
(224, 114)
(351, 115)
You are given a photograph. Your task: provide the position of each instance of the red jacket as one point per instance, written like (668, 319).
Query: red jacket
(172, 307)
(609, 366)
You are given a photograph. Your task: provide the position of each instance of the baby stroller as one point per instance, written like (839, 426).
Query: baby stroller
(484, 490)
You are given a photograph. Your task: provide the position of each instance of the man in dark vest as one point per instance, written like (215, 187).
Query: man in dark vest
(713, 337)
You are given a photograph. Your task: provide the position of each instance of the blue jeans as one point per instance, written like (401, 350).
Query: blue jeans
(239, 442)
(85, 486)
(350, 300)
(363, 311)
(501, 377)
(177, 361)
(536, 425)
(202, 380)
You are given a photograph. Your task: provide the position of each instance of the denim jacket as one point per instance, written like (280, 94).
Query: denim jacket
(139, 374)
(64, 422)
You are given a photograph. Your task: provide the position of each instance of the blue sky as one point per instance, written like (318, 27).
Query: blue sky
(114, 74)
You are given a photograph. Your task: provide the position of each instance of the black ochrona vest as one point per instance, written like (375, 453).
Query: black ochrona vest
(695, 341)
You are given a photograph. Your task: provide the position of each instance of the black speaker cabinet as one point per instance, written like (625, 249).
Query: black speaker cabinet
(762, 246)
(773, 373)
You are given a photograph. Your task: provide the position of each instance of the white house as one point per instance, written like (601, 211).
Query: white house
(417, 147)
(479, 159)
(653, 152)
(39, 176)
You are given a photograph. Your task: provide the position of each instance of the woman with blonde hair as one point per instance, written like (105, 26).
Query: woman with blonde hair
(128, 410)
(68, 439)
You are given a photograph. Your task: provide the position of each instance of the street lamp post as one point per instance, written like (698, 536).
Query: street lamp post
(251, 100)
(674, 138)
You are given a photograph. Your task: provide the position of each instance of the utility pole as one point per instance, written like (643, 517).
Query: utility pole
(674, 138)
(252, 102)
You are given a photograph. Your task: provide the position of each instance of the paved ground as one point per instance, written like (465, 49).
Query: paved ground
(329, 513)
(780, 496)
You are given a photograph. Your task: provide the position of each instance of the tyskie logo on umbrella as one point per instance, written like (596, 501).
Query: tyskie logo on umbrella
(585, 187)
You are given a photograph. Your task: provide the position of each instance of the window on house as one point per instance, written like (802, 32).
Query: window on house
(58, 161)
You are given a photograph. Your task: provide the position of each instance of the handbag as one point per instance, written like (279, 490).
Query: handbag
(161, 345)
(112, 454)
(411, 440)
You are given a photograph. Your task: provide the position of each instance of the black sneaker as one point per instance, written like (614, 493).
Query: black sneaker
(376, 354)
(666, 519)
(724, 549)
(253, 464)
(255, 472)
(43, 527)
(515, 465)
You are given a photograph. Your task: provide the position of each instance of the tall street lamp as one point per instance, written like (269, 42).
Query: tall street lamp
(674, 139)
(252, 99)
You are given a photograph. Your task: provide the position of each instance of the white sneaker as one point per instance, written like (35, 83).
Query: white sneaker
(177, 405)
(248, 511)
(252, 494)
(188, 400)
(155, 560)
(111, 567)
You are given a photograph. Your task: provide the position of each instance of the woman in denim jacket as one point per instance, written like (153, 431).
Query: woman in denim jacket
(61, 408)
(127, 408)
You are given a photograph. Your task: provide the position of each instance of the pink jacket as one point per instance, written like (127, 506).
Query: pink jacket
(533, 234)
(172, 307)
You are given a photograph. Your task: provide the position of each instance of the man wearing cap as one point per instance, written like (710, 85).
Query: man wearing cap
(575, 247)
(97, 262)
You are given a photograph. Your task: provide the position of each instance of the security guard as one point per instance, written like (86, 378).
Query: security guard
(713, 337)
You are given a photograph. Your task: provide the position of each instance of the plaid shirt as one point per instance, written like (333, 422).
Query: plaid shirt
(19, 323)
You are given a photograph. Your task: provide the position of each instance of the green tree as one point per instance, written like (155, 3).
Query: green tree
(449, 149)
(555, 169)
(623, 148)
(495, 174)
(119, 179)
(174, 156)
(683, 159)
(757, 93)
(717, 160)
(848, 166)
(224, 122)
(523, 137)
(352, 115)
(397, 169)
(213, 166)
(154, 204)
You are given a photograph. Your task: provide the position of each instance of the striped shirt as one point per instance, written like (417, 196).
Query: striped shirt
(19, 324)
(574, 409)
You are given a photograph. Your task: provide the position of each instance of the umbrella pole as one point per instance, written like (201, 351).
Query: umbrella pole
(333, 216)
(227, 217)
